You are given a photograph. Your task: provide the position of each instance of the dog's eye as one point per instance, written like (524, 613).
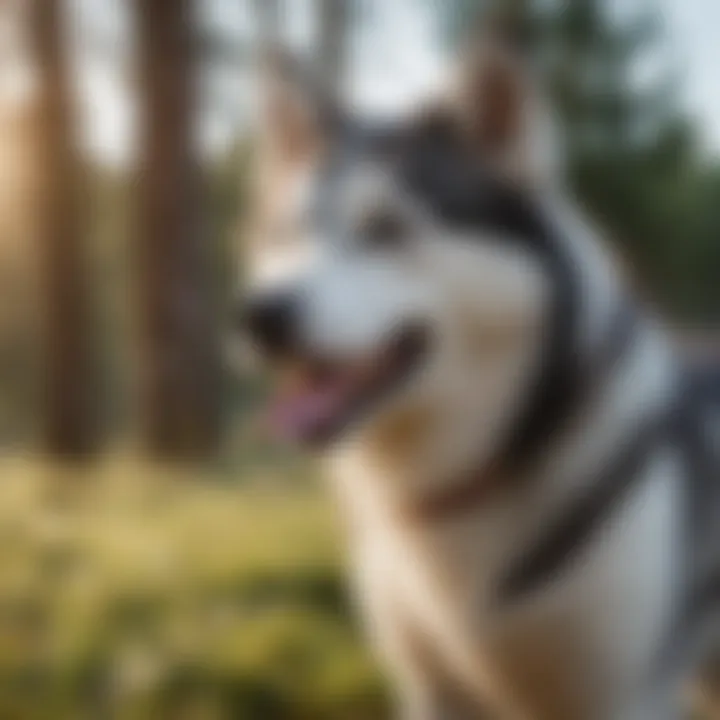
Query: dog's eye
(384, 229)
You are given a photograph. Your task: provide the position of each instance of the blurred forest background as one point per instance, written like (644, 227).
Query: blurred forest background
(158, 561)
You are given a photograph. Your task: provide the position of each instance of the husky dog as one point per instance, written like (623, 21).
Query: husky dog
(527, 471)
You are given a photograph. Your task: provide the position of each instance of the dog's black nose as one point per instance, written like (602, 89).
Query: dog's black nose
(271, 321)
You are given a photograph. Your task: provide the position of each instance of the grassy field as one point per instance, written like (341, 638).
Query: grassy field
(130, 593)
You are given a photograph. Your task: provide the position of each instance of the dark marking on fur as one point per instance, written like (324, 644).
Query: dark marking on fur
(570, 533)
(699, 599)
(707, 597)
(680, 426)
(700, 603)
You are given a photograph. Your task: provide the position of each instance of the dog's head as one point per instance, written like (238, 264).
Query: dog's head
(396, 277)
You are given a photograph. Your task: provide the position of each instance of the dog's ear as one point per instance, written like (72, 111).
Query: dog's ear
(295, 123)
(491, 94)
(498, 103)
(297, 115)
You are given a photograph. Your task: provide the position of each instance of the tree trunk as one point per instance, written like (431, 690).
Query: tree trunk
(180, 381)
(333, 38)
(70, 420)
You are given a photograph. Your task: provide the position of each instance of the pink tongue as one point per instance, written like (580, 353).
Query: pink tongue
(300, 416)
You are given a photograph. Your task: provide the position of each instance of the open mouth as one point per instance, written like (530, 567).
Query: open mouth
(319, 399)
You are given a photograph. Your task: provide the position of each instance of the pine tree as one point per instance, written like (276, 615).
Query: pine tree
(70, 390)
(180, 380)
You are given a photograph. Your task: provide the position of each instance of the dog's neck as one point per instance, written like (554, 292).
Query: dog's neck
(417, 454)
(373, 486)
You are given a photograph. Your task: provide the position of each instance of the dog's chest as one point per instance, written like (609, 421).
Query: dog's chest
(571, 651)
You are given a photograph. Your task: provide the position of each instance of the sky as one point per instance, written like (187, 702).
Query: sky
(393, 67)
(694, 26)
